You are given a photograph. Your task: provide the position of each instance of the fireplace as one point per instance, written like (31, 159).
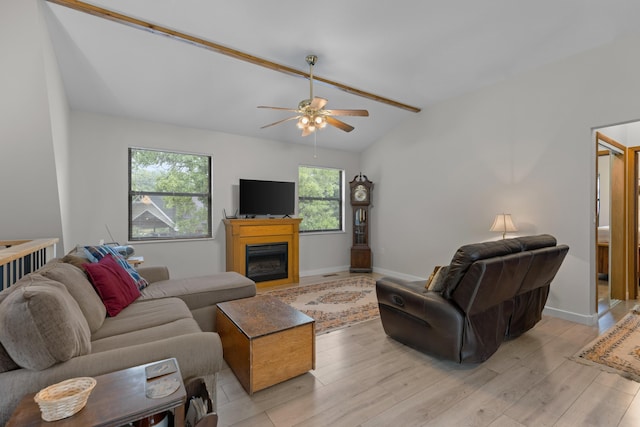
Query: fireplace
(267, 261)
(241, 233)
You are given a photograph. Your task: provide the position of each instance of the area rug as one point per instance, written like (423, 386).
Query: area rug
(618, 350)
(335, 304)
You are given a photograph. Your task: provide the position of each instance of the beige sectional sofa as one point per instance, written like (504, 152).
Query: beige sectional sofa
(53, 326)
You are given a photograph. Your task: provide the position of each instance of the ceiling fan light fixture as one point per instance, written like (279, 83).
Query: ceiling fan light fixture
(304, 121)
(311, 112)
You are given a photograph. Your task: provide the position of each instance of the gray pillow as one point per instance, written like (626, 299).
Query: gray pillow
(78, 285)
(41, 325)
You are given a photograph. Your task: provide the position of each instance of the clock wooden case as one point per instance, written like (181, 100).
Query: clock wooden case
(360, 196)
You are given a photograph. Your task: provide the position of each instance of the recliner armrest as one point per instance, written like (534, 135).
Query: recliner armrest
(413, 299)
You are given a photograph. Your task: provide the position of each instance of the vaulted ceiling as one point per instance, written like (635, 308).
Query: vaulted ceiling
(417, 52)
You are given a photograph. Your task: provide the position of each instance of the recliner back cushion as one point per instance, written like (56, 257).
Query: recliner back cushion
(41, 325)
(468, 254)
(530, 243)
(544, 266)
(491, 281)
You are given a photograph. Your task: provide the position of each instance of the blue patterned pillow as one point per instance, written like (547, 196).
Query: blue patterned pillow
(95, 254)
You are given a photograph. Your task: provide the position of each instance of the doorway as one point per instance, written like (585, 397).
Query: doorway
(611, 229)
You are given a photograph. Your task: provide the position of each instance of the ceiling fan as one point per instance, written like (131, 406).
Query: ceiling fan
(311, 114)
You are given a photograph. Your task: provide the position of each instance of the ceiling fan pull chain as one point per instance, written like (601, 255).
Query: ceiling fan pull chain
(315, 146)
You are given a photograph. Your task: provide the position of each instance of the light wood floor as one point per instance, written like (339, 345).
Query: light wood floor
(364, 378)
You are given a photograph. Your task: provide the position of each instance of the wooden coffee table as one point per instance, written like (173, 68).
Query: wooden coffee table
(117, 399)
(265, 341)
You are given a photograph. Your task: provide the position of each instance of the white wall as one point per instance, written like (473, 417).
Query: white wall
(28, 191)
(523, 146)
(59, 118)
(99, 188)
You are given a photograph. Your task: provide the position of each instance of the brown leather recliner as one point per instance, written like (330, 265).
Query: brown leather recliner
(492, 291)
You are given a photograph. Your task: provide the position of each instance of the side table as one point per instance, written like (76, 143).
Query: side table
(118, 398)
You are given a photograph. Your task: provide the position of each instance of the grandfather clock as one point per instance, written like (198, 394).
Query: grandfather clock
(360, 195)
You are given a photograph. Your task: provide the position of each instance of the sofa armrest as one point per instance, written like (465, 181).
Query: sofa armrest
(154, 274)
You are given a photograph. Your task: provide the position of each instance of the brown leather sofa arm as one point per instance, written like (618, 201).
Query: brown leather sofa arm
(420, 318)
(154, 274)
(412, 298)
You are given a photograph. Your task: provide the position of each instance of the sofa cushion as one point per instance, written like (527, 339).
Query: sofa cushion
(7, 291)
(78, 285)
(43, 325)
(142, 315)
(6, 362)
(115, 287)
(146, 335)
(96, 253)
(75, 260)
(203, 291)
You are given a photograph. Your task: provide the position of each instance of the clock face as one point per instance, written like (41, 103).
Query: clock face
(360, 193)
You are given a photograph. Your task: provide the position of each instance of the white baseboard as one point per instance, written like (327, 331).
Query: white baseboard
(588, 320)
(343, 268)
(322, 271)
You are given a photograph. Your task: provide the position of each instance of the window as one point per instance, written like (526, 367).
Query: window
(169, 195)
(320, 198)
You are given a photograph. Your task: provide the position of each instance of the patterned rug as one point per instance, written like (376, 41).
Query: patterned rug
(618, 350)
(335, 304)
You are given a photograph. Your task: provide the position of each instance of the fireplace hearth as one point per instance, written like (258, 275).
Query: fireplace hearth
(267, 262)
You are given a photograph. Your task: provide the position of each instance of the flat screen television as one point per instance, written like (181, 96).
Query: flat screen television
(271, 198)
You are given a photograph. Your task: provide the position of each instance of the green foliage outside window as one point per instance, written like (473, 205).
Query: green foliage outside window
(320, 198)
(169, 195)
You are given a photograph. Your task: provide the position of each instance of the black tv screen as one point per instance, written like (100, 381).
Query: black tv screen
(273, 198)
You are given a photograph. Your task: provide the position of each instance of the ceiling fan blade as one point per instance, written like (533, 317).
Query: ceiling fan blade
(279, 108)
(280, 121)
(317, 103)
(348, 112)
(339, 124)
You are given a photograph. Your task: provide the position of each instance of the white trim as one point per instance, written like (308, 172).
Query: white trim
(321, 271)
(588, 320)
(610, 147)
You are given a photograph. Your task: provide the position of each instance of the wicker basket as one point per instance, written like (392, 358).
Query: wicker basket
(64, 399)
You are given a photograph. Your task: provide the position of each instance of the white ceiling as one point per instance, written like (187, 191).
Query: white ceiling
(418, 52)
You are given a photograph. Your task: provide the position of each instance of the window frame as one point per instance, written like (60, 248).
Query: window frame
(340, 199)
(207, 196)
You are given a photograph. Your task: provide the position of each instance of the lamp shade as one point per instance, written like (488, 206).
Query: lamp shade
(503, 223)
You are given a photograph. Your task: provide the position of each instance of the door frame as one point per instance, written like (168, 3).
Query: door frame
(633, 194)
(619, 246)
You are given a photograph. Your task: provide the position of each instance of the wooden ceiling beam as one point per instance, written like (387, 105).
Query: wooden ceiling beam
(218, 48)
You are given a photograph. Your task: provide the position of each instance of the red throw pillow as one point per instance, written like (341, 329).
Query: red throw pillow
(114, 285)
